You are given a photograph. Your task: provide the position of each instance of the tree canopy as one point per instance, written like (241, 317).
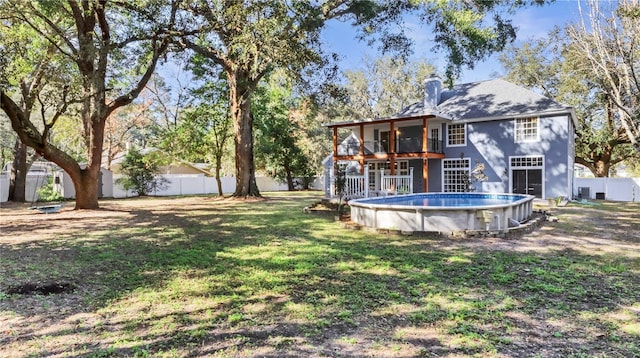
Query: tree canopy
(608, 42)
(111, 49)
(385, 86)
(278, 132)
(250, 40)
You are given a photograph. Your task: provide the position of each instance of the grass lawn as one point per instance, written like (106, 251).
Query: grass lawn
(196, 276)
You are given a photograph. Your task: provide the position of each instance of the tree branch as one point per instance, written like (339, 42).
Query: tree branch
(158, 50)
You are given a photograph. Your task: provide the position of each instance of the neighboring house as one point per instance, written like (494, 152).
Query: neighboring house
(107, 178)
(524, 140)
(175, 166)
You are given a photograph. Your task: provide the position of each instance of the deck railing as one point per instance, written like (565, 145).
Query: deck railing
(403, 145)
(357, 186)
(397, 184)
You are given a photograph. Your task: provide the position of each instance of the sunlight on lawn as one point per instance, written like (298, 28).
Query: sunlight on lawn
(198, 277)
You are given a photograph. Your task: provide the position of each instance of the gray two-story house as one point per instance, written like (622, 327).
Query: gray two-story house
(524, 141)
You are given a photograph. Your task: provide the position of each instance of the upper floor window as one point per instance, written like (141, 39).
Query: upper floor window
(456, 135)
(526, 130)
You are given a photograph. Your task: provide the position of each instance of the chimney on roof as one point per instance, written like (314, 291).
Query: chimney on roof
(432, 91)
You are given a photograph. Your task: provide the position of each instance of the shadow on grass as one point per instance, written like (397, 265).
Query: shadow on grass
(264, 279)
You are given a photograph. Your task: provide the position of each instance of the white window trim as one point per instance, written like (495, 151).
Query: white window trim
(543, 166)
(466, 135)
(515, 131)
(442, 169)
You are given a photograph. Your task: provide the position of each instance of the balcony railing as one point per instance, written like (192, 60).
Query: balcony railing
(403, 145)
(374, 147)
(435, 146)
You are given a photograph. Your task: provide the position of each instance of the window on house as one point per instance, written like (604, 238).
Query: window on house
(456, 135)
(527, 161)
(526, 130)
(402, 167)
(455, 173)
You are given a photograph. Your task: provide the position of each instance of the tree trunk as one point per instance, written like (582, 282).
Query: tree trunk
(87, 190)
(601, 169)
(240, 105)
(85, 181)
(287, 170)
(18, 181)
(218, 165)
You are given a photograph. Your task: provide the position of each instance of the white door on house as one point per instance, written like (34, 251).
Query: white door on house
(433, 142)
(526, 175)
(375, 171)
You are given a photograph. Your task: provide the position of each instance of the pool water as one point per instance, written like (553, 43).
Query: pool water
(446, 200)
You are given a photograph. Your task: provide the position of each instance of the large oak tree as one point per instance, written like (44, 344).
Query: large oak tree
(114, 47)
(249, 39)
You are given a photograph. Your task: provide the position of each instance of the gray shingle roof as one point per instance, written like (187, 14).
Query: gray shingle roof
(494, 98)
(484, 100)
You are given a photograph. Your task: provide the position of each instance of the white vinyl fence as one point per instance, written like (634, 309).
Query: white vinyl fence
(35, 181)
(193, 184)
(177, 184)
(616, 189)
(182, 184)
(4, 188)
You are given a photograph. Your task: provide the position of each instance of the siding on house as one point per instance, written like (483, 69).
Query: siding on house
(493, 143)
(418, 183)
(435, 175)
(489, 110)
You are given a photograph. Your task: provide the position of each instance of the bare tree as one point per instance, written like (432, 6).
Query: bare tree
(120, 127)
(610, 42)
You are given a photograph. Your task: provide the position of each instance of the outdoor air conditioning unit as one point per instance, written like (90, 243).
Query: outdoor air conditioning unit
(583, 192)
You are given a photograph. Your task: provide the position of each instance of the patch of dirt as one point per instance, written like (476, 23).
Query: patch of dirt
(46, 288)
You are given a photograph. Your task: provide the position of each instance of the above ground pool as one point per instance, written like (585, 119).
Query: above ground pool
(442, 212)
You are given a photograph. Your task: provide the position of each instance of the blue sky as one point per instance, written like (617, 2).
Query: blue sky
(532, 22)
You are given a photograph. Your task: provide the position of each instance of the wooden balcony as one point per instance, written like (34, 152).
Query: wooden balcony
(404, 147)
